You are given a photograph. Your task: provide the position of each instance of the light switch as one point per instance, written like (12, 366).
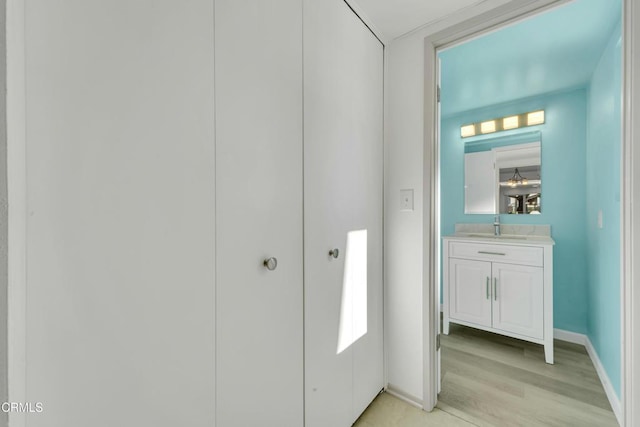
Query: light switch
(406, 200)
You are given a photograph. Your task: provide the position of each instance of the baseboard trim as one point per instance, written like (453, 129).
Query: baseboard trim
(584, 340)
(569, 336)
(606, 382)
(406, 397)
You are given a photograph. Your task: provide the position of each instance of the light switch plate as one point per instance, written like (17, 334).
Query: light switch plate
(406, 200)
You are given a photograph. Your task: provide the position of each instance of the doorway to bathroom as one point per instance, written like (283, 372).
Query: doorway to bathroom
(540, 81)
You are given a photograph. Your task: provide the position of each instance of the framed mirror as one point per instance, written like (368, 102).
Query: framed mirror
(504, 179)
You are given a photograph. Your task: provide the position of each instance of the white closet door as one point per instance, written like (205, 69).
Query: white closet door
(120, 232)
(258, 77)
(343, 71)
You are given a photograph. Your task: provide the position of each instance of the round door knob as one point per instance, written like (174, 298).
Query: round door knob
(270, 263)
(334, 253)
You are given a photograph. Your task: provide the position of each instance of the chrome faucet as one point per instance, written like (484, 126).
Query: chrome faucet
(496, 225)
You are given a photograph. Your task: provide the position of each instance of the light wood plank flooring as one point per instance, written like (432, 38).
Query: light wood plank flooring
(492, 380)
(388, 411)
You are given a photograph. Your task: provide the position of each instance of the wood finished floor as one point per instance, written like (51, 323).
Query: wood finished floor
(492, 380)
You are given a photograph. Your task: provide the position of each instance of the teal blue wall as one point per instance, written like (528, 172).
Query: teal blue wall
(603, 193)
(548, 52)
(563, 139)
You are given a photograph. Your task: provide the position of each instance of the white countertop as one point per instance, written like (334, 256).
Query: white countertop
(507, 239)
(520, 234)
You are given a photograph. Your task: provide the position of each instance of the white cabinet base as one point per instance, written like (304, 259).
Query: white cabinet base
(547, 343)
(504, 288)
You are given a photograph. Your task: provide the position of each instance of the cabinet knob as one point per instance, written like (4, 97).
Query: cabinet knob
(270, 263)
(334, 252)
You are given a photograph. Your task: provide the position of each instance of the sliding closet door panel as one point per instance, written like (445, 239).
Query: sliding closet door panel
(258, 77)
(120, 193)
(365, 73)
(328, 215)
(343, 210)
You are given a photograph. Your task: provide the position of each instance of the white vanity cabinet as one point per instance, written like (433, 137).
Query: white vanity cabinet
(501, 287)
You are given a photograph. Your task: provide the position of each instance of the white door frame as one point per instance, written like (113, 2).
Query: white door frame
(630, 250)
(630, 233)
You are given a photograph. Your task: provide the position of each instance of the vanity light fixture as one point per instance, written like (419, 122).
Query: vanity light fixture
(512, 122)
(517, 179)
(469, 130)
(488, 126)
(503, 123)
(535, 118)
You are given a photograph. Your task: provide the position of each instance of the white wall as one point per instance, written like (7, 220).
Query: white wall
(403, 230)
(120, 207)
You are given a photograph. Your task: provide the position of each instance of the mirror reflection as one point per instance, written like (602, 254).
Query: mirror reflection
(520, 190)
(504, 179)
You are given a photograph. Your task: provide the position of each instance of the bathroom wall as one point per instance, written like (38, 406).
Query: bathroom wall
(563, 139)
(603, 195)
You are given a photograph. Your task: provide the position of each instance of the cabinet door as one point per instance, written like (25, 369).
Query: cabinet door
(258, 73)
(470, 291)
(343, 209)
(518, 300)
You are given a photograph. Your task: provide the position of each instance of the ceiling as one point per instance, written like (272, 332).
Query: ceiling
(397, 17)
(548, 52)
